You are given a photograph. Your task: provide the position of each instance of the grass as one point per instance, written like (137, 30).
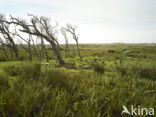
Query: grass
(138, 70)
(28, 89)
(58, 93)
(99, 68)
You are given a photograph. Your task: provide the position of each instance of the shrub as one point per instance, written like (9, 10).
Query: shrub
(10, 70)
(22, 58)
(2, 59)
(27, 70)
(145, 72)
(111, 51)
(4, 84)
(122, 69)
(99, 68)
(137, 70)
(57, 78)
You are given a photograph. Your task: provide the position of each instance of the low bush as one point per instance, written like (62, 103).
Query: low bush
(99, 68)
(56, 78)
(29, 70)
(4, 84)
(145, 72)
(22, 58)
(10, 70)
(138, 70)
(2, 59)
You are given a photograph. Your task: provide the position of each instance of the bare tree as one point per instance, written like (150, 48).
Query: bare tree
(10, 48)
(36, 47)
(71, 29)
(34, 28)
(73, 50)
(6, 43)
(4, 30)
(44, 50)
(3, 48)
(27, 41)
(63, 31)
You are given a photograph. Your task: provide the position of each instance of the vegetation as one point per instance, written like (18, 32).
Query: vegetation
(98, 86)
(99, 68)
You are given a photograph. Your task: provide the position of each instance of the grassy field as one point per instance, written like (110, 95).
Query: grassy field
(110, 76)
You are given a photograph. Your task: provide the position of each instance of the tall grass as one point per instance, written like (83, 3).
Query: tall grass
(56, 93)
(141, 71)
(4, 83)
(99, 68)
(25, 70)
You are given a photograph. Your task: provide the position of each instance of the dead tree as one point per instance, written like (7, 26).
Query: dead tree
(35, 47)
(34, 28)
(10, 48)
(71, 29)
(3, 48)
(73, 50)
(4, 30)
(66, 41)
(7, 44)
(44, 50)
(26, 40)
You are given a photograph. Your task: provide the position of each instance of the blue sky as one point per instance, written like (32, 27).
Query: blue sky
(98, 21)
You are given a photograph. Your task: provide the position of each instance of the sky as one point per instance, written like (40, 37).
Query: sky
(98, 21)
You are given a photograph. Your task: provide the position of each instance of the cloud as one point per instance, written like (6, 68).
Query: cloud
(97, 20)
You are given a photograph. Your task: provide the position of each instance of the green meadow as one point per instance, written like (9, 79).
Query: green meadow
(108, 77)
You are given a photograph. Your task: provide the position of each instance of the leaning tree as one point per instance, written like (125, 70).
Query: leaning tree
(27, 40)
(63, 31)
(40, 27)
(3, 47)
(7, 35)
(71, 29)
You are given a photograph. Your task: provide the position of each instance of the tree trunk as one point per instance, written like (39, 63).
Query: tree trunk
(11, 52)
(67, 50)
(29, 49)
(46, 53)
(16, 51)
(57, 52)
(44, 49)
(77, 45)
(73, 52)
(13, 45)
(4, 50)
(35, 50)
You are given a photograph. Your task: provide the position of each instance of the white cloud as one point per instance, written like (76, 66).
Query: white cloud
(97, 20)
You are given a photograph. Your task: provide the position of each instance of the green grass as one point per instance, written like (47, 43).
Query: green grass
(54, 93)
(94, 89)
